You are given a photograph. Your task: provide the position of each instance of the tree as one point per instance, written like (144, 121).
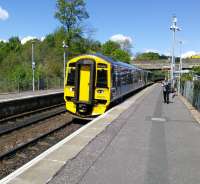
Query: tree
(196, 70)
(109, 47)
(71, 13)
(14, 44)
(113, 50)
(122, 55)
(4, 50)
(125, 42)
(148, 56)
(164, 56)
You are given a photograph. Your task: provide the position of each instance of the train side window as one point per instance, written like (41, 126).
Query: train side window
(71, 77)
(102, 78)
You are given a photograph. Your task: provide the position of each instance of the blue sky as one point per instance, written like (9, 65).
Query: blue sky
(147, 22)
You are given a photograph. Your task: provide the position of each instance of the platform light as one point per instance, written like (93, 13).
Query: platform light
(33, 67)
(65, 58)
(174, 28)
(180, 67)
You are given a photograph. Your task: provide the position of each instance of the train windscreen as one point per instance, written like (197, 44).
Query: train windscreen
(71, 77)
(102, 78)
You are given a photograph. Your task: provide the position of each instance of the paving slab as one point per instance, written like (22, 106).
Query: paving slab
(32, 176)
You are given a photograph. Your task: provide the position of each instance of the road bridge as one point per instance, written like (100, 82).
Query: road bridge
(165, 64)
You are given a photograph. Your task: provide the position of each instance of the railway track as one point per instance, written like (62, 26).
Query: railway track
(24, 137)
(16, 122)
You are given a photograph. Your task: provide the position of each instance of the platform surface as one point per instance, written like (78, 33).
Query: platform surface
(28, 94)
(150, 143)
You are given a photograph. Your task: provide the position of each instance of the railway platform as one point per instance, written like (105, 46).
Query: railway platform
(141, 141)
(5, 97)
(18, 103)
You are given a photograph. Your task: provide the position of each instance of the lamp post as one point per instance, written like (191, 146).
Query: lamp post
(33, 66)
(180, 67)
(65, 58)
(173, 28)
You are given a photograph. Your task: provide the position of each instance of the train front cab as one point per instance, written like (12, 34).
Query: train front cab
(87, 89)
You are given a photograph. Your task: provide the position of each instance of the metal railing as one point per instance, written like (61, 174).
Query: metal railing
(191, 91)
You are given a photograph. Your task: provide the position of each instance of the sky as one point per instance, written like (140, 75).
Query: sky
(145, 22)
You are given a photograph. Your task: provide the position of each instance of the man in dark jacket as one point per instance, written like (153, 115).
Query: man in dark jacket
(168, 87)
(166, 91)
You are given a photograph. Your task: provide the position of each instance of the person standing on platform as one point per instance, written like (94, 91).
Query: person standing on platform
(166, 91)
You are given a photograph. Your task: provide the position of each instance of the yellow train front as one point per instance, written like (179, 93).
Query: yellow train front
(94, 81)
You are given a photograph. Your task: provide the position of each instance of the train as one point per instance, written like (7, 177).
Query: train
(93, 82)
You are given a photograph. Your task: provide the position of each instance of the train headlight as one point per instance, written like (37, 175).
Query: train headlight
(100, 91)
(71, 89)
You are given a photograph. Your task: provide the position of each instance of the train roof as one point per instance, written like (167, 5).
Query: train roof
(119, 63)
(114, 62)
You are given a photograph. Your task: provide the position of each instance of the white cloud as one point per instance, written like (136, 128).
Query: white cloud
(121, 38)
(2, 40)
(26, 39)
(3, 14)
(125, 42)
(42, 38)
(189, 54)
(151, 50)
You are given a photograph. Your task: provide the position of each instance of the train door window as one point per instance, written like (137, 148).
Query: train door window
(137, 76)
(102, 78)
(141, 76)
(113, 77)
(130, 77)
(71, 77)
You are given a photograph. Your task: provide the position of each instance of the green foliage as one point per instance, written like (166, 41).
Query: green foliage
(159, 75)
(186, 77)
(109, 47)
(189, 76)
(196, 70)
(149, 56)
(15, 58)
(163, 57)
(14, 44)
(71, 13)
(113, 50)
(121, 55)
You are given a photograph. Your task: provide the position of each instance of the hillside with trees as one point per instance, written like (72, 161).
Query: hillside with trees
(150, 56)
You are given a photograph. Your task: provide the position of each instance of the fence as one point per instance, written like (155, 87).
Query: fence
(191, 91)
(16, 86)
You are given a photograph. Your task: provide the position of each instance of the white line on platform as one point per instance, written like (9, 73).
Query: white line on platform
(158, 119)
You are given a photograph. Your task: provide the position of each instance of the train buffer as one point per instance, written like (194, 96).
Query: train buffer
(141, 141)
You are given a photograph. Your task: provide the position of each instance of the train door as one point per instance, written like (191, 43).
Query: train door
(85, 81)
